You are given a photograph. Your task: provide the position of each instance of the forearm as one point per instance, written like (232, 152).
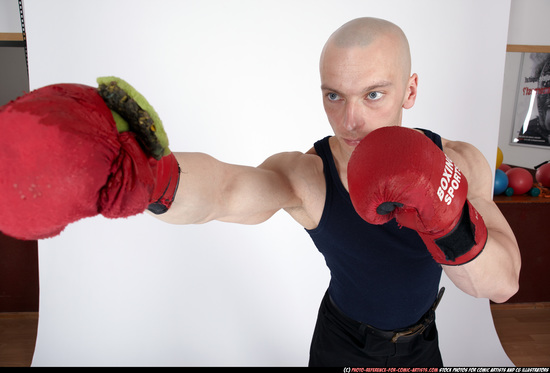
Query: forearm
(494, 273)
(213, 190)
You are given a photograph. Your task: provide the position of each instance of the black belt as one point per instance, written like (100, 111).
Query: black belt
(402, 335)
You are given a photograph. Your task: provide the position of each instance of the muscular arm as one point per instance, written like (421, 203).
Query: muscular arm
(494, 273)
(213, 190)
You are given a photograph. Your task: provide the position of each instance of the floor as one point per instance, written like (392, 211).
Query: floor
(524, 330)
(17, 338)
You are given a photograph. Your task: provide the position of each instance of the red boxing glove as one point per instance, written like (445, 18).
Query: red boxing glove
(63, 159)
(399, 173)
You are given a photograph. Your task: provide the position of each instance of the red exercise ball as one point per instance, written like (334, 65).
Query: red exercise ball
(520, 180)
(504, 167)
(543, 175)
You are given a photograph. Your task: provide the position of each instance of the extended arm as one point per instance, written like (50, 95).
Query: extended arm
(71, 151)
(213, 190)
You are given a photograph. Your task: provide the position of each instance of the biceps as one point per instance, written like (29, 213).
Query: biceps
(252, 195)
(214, 190)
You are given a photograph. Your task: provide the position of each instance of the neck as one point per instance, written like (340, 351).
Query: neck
(341, 158)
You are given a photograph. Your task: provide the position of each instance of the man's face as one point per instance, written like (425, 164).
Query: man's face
(364, 88)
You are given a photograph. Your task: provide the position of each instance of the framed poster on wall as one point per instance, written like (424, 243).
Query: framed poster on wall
(532, 110)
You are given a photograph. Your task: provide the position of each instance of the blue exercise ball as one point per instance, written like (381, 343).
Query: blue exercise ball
(501, 182)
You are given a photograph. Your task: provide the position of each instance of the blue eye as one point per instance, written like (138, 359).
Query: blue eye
(333, 96)
(375, 95)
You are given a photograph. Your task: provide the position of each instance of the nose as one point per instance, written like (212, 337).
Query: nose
(352, 116)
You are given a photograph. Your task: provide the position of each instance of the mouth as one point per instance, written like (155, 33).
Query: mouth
(352, 142)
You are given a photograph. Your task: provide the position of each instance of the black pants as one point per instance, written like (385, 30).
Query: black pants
(339, 341)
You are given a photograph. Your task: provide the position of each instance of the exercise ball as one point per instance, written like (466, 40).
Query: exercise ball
(500, 157)
(501, 182)
(520, 180)
(504, 167)
(543, 175)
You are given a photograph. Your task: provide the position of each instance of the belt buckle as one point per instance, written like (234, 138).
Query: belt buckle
(414, 330)
(423, 325)
(408, 333)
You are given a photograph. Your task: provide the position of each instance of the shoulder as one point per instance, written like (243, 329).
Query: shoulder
(292, 163)
(472, 164)
(303, 173)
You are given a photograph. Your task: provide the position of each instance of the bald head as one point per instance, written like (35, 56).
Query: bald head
(362, 32)
(366, 78)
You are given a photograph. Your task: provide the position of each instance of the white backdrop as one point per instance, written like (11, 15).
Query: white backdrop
(239, 80)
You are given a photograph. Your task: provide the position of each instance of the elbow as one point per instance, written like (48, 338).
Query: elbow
(497, 293)
(504, 295)
(508, 286)
(506, 291)
(498, 290)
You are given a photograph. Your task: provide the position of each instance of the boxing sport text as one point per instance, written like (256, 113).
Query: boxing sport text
(450, 182)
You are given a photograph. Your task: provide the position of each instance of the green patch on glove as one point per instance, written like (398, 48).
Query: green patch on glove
(132, 112)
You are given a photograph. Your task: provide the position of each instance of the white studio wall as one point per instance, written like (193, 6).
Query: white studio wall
(238, 80)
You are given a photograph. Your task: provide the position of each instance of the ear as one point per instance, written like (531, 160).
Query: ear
(410, 92)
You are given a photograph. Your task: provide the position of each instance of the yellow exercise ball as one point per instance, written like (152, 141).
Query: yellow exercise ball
(500, 157)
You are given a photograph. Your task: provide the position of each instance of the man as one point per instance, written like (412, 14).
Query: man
(76, 157)
(366, 83)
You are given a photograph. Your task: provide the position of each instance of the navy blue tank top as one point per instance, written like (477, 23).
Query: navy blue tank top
(381, 275)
